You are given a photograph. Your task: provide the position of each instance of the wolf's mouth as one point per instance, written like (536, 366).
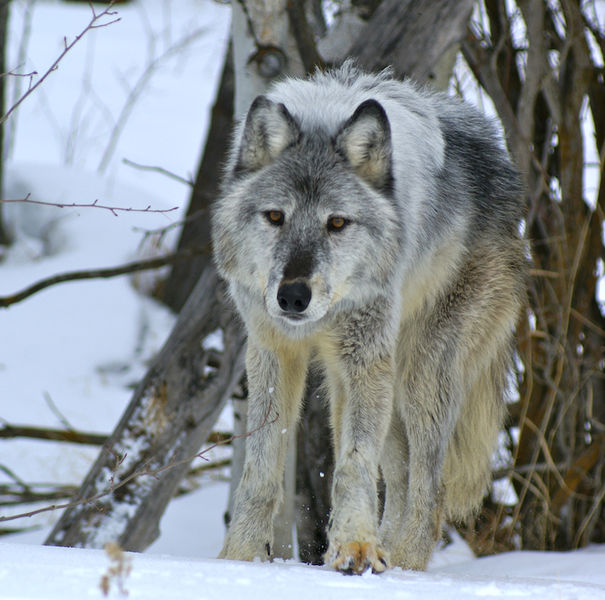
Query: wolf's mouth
(293, 318)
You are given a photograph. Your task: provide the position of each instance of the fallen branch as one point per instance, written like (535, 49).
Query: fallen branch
(55, 435)
(14, 494)
(133, 267)
(111, 489)
(79, 437)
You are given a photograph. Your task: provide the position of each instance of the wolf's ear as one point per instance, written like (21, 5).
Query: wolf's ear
(365, 141)
(269, 129)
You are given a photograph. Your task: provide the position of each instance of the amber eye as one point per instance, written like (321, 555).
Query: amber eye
(275, 217)
(336, 223)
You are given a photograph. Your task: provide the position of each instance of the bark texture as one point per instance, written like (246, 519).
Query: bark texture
(411, 36)
(167, 421)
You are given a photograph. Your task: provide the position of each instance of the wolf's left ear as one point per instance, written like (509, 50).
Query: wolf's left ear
(365, 141)
(269, 129)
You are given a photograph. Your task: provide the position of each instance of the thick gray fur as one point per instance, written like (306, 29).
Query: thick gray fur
(408, 300)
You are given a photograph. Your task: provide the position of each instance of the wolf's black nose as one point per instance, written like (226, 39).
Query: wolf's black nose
(294, 297)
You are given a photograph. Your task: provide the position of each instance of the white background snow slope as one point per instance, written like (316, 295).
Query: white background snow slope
(72, 352)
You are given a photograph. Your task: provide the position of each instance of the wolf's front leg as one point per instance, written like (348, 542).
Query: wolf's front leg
(275, 384)
(361, 412)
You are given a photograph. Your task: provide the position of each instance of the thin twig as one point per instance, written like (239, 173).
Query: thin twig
(4, 469)
(55, 410)
(136, 91)
(162, 231)
(93, 24)
(114, 210)
(160, 170)
(145, 471)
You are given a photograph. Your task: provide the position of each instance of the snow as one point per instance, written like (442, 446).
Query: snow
(69, 573)
(74, 351)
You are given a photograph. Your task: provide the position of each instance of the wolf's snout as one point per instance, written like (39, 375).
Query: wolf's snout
(294, 297)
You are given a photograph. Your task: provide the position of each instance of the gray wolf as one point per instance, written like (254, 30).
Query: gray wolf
(374, 228)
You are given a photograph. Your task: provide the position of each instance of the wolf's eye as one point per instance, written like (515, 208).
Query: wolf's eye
(275, 217)
(336, 223)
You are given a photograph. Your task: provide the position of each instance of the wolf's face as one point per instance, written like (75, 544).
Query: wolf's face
(305, 213)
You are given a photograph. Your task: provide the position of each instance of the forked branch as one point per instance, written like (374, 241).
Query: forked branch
(95, 22)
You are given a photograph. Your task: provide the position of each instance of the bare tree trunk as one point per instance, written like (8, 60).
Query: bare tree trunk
(168, 419)
(411, 36)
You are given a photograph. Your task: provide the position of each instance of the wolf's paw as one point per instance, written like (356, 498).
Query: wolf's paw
(245, 551)
(355, 558)
(409, 561)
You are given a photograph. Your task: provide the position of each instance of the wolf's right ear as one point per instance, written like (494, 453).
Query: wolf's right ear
(365, 141)
(268, 131)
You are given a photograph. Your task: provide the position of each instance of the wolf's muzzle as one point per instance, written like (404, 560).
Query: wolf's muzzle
(293, 298)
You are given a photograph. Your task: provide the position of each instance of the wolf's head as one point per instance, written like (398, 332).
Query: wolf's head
(308, 222)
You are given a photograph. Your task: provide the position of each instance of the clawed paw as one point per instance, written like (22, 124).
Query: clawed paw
(355, 558)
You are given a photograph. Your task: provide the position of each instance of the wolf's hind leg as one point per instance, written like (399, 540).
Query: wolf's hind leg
(275, 385)
(429, 408)
(423, 516)
(394, 467)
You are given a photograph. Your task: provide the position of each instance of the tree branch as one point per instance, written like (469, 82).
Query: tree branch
(95, 204)
(93, 24)
(111, 489)
(160, 170)
(8, 431)
(141, 265)
(57, 435)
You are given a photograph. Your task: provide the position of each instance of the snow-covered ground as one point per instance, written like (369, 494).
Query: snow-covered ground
(32, 573)
(72, 352)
